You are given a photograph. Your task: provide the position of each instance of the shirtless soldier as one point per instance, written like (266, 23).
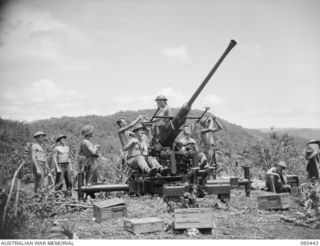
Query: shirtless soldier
(40, 163)
(207, 139)
(123, 132)
(62, 161)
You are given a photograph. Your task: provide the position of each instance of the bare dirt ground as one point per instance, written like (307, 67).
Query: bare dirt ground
(242, 220)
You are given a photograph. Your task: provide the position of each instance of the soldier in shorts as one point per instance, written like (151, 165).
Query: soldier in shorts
(62, 161)
(40, 163)
(207, 141)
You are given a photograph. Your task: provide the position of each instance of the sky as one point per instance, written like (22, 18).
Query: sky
(77, 57)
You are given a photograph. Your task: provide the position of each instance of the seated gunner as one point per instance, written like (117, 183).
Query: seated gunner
(186, 143)
(138, 153)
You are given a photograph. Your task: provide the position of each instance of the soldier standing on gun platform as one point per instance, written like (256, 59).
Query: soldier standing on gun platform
(124, 127)
(40, 164)
(164, 110)
(125, 134)
(62, 161)
(207, 139)
(90, 152)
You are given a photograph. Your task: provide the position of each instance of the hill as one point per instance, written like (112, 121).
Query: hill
(306, 133)
(236, 145)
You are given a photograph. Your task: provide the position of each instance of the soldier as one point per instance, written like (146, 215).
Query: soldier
(312, 155)
(164, 110)
(207, 140)
(90, 152)
(187, 143)
(123, 132)
(138, 153)
(40, 164)
(276, 180)
(62, 161)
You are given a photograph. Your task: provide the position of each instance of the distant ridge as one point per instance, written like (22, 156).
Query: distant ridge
(306, 133)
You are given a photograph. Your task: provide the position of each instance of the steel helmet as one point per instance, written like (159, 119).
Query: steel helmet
(86, 130)
(311, 150)
(39, 133)
(60, 136)
(282, 164)
(161, 97)
(137, 127)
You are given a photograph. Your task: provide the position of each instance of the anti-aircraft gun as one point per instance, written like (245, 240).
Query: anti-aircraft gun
(180, 166)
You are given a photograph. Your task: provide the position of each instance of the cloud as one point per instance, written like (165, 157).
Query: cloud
(210, 100)
(30, 34)
(42, 91)
(42, 99)
(179, 54)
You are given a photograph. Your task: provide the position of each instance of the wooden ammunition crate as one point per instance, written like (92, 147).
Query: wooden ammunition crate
(109, 209)
(218, 188)
(274, 201)
(200, 218)
(174, 190)
(293, 180)
(144, 225)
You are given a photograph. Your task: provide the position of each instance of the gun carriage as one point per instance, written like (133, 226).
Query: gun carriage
(183, 173)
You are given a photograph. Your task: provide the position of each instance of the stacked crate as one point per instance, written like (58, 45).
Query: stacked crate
(109, 209)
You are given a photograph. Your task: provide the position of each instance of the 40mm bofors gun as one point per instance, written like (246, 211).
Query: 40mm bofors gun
(183, 172)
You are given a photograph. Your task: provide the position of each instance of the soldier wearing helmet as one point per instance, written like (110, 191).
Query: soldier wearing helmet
(312, 155)
(164, 110)
(207, 141)
(62, 161)
(39, 159)
(138, 153)
(276, 180)
(88, 161)
(124, 127)
(187, 143)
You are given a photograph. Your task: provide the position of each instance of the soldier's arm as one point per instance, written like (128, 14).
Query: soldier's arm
(210, 128)
(55, 161)
(285, 180)
(220, 127)
(271, 172)
(92, 149)
(34, 160)
(127, 127)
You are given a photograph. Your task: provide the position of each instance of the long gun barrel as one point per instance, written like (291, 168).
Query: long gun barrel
(170, 130)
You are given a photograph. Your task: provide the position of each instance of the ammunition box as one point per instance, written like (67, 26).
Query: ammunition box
(274, 201)
(144, 225)
(218, 188)
(174, 191)
(200, 218)
(293, 180)
(109, 209)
